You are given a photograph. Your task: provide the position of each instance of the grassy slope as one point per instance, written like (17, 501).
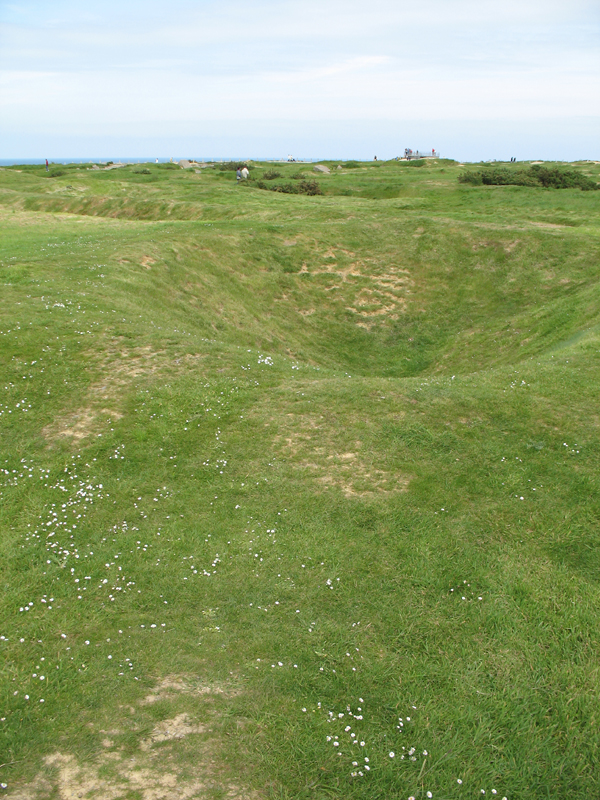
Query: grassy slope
(428, 424)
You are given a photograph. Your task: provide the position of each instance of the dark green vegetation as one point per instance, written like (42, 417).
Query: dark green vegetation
(311, 188)
(281, 469)
(536, 175)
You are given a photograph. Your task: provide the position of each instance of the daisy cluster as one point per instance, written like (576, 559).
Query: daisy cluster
(194, 569)
(519, 495)
(80, 567)
(22, 405)
(516, 384)
(57, 527)
(12, 476)
(348, 736)
(362, 753)
(16, 327)
(465, 593)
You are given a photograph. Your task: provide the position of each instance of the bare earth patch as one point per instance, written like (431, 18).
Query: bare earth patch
(173, 684)
(176, 728)
(153, 771)
(78, 425)
(370, 291)
(120, 369)
(150, 777)
(307, 448)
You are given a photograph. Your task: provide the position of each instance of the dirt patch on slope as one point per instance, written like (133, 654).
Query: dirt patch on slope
(309, 445)
(103, 397)
(370, 290)
(78, 424)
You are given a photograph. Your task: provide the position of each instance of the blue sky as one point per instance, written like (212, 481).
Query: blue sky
(328, 78)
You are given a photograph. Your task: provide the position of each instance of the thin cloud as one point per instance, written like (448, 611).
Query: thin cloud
(116, 66)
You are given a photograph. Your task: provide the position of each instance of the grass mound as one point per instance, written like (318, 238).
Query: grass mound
(298, 495)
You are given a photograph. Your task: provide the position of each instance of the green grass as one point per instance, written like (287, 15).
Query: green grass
(341, 451)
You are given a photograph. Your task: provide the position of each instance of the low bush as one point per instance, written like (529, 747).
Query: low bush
(474, 178)
(309, 187)
(351, 164)
(302, 187)
(271, 174)
(144, 171)
(563, 178)
(286, 188)
(536, 176)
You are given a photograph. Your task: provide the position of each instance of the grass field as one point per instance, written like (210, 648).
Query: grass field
(299, 494)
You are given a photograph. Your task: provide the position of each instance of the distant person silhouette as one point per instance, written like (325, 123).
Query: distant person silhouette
(46, 165)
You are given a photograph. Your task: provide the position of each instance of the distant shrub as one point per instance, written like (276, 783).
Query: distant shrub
(271, 174)
(56, 173)
(298, 176)
(474, 178)
(286, 188)
(536, 176)
(302, 187)
(309, 187)
(168, 165)
(563, 179)
(144, 171)
(351, 164)
(232, 166)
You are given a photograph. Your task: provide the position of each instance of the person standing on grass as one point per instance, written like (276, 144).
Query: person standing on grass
(238, 174)
(245, 173)
(46, 165)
